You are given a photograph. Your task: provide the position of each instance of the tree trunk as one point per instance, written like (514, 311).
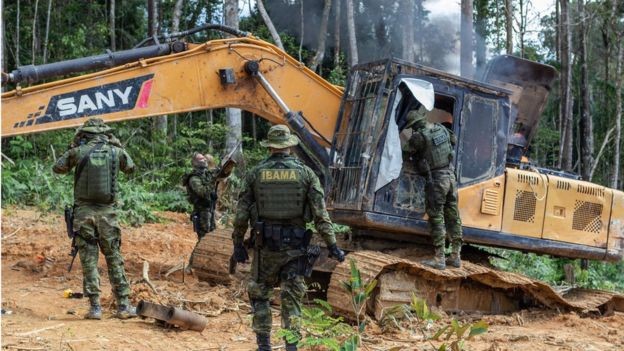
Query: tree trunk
(323, 32)
(47, 33)
(465, 61)
(233, 115)
(407, 44)
(586, 124)
(152, 27)
(509, 26)
(618, 104)
(269, 24)
(111, 24)
(557, 32)
(17, 36)
(177, 13)
(565, 150)
(481, 34)
(522, 25)
(301, 28)
(353, 50)
(175, 27)
(3, 67)
(337, 21)
(160, 122)
(34, 33)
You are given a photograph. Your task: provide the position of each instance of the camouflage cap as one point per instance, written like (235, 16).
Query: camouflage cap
(94, 126)
(279, 137)
(415, 116)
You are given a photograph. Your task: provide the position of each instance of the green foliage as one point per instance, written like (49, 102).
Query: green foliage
(417, 316)
(319, 328)
(599, 275)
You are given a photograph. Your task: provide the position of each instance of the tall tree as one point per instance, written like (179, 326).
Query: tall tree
(481, 16)
(17, 35)
(586, 123)
(301, 29)
(152, 20)
(233, 115)
(322, 37)
(565, 150)
(47, 32)
(408, 18)
(34, 33)
(177, 13)
(160, 122)
(523, 13)
(175, 27)
(267, 21)
(353, 50)
(466, 67)
(111, 25)
(618, 31)
(337, 21)
(509, 26)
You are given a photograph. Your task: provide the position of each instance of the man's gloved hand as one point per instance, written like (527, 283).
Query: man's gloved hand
(335, 252)
(240, 253)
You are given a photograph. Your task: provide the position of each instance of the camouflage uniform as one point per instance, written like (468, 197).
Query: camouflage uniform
(96, 220)
(432, 145)
(276, 260)
(201, 188)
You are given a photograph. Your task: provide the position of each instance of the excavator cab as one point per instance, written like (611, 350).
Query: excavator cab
(376, 188)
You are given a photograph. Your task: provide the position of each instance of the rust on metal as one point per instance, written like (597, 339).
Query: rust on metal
(472, 288)
(186, 320)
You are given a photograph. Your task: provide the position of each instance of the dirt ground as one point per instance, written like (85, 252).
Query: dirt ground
(36, 316)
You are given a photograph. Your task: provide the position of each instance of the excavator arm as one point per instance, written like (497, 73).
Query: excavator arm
(244, 73)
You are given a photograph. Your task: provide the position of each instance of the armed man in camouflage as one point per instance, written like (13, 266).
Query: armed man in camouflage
(201, 189)
(433, 148)
(281, 195)
(98, 158)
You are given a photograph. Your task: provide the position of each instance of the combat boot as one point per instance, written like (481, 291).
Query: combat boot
(454, 258)
(438, 261)
(126, 311)
(264, 341)
(95, 312)
(290, 346)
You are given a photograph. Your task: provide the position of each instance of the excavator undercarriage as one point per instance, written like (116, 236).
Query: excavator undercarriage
(473, 288)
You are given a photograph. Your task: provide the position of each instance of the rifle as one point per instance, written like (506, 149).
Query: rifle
(69, 223)
(195, 220)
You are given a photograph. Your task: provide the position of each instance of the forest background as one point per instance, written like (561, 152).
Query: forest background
(580, 130)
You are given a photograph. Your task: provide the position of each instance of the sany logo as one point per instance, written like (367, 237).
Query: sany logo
(108, 98)
(89, 103)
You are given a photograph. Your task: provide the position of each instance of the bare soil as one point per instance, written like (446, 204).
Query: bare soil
(36, 316)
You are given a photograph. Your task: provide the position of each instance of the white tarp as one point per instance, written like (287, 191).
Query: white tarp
(392, 156)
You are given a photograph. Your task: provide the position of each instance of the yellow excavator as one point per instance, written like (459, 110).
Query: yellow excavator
(352, 138)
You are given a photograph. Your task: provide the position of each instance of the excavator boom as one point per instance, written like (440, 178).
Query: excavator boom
(206, 76)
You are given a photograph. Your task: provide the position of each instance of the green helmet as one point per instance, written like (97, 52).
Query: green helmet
(416, 116)
(94, 126)
(279, 137)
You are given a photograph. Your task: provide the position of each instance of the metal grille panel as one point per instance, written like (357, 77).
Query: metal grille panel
(490, 203)
(524, 208)
(587, 217)
(354, 138)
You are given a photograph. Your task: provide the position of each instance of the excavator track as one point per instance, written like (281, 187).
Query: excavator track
(472, 288)
(211, 257)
